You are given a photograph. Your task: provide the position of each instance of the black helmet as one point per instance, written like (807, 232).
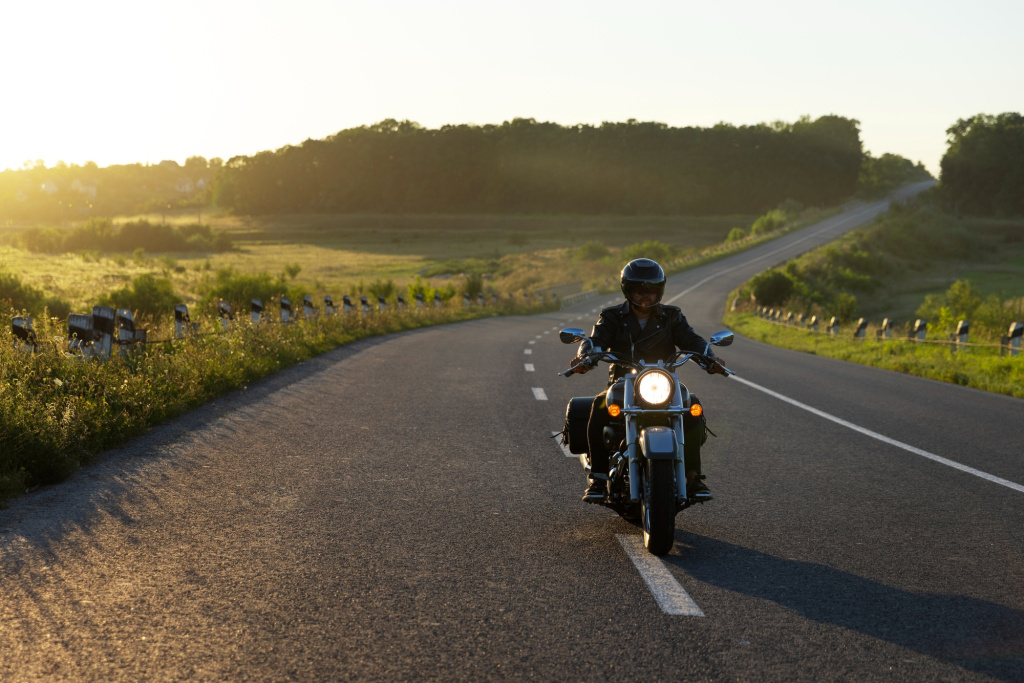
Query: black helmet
(642, 273)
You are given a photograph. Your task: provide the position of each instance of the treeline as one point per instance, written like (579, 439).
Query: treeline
(526, 166)
(71, 192)
(983, 168)
(101, 234)
(881, 175)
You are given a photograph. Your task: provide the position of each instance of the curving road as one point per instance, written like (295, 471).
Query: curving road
(396, 510)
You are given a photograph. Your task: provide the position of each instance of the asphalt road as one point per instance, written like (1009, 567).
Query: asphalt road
(396, 510)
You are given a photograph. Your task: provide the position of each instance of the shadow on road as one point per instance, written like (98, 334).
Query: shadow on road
(974, 634)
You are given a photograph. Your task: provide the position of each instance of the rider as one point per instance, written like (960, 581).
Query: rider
(643, 328)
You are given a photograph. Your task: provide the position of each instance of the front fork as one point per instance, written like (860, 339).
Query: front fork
(633, 451)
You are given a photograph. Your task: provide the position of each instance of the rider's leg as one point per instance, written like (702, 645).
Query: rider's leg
(693, 438)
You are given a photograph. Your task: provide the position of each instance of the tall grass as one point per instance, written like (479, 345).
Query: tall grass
(58, 412)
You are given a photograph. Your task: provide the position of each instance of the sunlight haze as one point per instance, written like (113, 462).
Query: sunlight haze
(125, 82)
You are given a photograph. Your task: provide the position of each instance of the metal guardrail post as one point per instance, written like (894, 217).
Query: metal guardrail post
(1014, 338)
(962, 330)
(256, 310)
(286, 310)
(103, 318)
(920, 329)
(21, 328)
(225, 314)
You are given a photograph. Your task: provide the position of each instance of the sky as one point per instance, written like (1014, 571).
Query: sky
(122, 82)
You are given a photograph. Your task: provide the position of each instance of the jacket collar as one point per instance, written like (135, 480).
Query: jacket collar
(625, 310)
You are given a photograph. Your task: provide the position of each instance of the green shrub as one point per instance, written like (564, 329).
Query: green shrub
(735, 235)
(239, 289)
(591, 251)
(384, 288)
(18, 296)
(148, 296)
(772, 287)
(769, 222)
(652, 249)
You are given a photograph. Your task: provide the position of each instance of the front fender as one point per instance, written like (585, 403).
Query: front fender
(659, 443)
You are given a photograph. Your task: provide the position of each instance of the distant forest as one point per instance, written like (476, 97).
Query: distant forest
(525, 166)
(983, 168)
(522, 167)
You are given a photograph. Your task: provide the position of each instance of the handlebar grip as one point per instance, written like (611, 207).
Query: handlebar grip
(566, 373)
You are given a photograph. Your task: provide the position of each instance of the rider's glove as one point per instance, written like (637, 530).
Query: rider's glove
(578, 366)
(715, 367)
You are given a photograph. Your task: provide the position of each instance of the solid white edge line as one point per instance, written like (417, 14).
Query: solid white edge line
(538, 393)
(672, 598)
(529, 367)
(885, 439)
(564, 447)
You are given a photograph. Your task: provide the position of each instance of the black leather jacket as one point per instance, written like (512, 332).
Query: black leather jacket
(666, 330)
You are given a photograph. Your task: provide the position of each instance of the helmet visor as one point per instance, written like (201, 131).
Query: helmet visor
(645, 293)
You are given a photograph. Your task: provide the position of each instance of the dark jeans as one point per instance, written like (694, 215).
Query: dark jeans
(693, 435)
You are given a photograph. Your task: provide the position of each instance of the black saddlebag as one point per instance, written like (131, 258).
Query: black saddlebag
(577, 415)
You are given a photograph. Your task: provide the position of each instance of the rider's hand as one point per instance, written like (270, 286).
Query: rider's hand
(578, 366)
(716, 367)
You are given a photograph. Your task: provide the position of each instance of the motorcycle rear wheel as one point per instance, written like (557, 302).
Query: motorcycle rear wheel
(658, 506)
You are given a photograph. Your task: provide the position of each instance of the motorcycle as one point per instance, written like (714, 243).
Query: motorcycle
(646, 471)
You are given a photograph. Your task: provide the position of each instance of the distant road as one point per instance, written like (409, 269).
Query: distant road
(396, 510)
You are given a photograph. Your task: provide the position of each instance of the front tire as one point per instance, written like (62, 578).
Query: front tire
(658, 506)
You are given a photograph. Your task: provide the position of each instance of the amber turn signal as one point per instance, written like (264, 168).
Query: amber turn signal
(614, 410)
(696, 410)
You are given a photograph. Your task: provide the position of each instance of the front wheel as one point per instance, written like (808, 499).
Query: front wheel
(658, 506)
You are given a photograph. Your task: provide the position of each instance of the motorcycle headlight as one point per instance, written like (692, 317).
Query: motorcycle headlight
(654, 387)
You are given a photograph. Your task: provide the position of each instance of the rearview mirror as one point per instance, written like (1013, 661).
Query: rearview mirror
(572, 334)
(723, 338)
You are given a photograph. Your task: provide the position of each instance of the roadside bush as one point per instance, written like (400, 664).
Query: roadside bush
(472, 284)
(239, 289)
(100, 234)
(591, 251)
(652, 249)
(772, 287)
(19, 297)
(769, 222)
(147, 295)
(384, 288)
(735, 235)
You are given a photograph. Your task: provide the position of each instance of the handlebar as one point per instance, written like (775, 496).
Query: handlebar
(593, 359)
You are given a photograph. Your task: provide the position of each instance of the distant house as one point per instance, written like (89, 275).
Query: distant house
(87, 187)
(184, 185)
(49, 187)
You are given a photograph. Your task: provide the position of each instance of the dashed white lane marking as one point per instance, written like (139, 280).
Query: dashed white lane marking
(885, 439)
(564, 447)
(547, 331)
(538, 336)
(528, 352)
(538, 393)
(529, 367)
(672, 598)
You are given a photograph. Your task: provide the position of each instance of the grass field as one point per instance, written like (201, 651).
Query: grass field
(339, 254)
(894, 265)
